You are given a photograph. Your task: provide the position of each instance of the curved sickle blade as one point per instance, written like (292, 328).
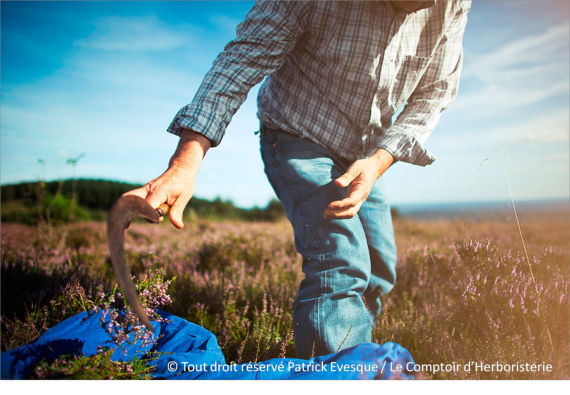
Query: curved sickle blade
(125, 209)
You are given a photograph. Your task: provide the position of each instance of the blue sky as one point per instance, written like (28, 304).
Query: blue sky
(106, 78)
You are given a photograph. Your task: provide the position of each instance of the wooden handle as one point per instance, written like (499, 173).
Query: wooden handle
(162, 210)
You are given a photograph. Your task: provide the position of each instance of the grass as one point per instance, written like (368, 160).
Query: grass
(97, 367)
(460, 297)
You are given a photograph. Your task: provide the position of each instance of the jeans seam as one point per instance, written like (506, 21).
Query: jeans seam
(320, 346)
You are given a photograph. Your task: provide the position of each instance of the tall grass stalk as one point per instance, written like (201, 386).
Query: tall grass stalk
(504, 154)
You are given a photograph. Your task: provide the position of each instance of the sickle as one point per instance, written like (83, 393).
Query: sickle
(125, 209)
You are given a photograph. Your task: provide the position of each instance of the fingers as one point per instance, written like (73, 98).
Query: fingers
(146, 192)
(345, 180)
(345, 213)
(176, 212)
(357, 192)
(141, 192)
(155, 199)
(172, 188)
(346, 208)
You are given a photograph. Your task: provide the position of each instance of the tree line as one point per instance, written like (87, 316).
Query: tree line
(96, 196)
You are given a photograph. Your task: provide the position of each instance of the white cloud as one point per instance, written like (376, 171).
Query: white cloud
(115, 94)
(115, 106)
(63, 153)
(526, 71)
(557, 158)
(551, 126)
(540, 49)
(133, 34)
(554, 127)
(225, 22)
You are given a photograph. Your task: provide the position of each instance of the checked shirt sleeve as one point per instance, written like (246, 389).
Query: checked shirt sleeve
(435, 92)
(269, 32)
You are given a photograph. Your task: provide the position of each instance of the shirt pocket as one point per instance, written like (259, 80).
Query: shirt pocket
(407, 78)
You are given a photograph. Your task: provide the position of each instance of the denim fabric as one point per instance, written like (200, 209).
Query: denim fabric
(347, 263)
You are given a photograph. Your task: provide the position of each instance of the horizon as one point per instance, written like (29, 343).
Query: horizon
(108, 82)
(398, 205)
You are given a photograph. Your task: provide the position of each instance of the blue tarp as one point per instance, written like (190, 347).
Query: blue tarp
(191, 352)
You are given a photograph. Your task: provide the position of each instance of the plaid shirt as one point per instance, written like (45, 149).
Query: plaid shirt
(338, 71)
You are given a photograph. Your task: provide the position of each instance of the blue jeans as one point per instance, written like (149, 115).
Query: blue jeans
(347, 263)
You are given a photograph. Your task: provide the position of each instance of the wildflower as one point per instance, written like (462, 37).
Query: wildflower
(122, 325)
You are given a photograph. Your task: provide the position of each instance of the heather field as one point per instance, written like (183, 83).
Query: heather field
(465, 293)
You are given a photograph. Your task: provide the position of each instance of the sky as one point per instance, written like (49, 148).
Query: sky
(105, 79)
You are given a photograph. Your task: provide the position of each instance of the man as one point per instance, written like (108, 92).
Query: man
(338, 72)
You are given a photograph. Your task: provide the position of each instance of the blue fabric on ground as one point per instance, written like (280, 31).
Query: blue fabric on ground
(192, 352)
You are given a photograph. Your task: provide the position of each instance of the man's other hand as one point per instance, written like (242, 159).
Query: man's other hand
(358, 179)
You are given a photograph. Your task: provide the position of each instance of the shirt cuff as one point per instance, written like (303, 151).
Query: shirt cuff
(405, 148)
(189, 118)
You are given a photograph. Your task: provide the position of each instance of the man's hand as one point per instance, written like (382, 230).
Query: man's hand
(176, 185)
(359, 179)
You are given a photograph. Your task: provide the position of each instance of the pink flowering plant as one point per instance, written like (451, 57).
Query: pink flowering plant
(452, 303)
(96, 367)
(117, 318)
